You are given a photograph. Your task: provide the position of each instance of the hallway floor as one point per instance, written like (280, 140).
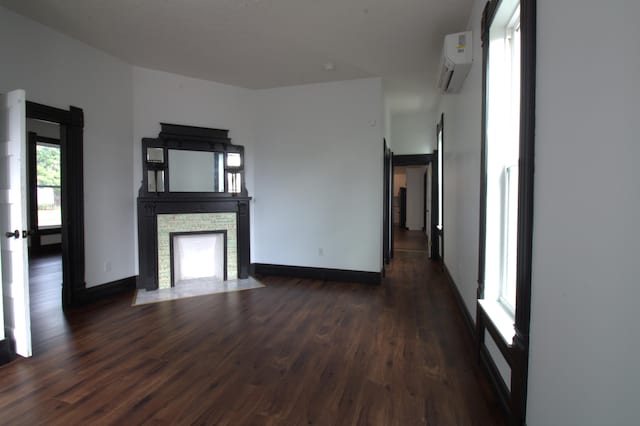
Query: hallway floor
(296, 352)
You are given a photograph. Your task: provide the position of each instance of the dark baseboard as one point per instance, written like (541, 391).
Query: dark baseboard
(323, 274)
(468, 319)
(93, 294)
(7, 350)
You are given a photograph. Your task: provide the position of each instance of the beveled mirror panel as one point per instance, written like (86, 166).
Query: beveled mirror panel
(195, 171)
(155, 155)
(234, 159)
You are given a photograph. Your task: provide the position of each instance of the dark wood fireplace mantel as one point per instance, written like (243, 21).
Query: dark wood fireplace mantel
(159, 200)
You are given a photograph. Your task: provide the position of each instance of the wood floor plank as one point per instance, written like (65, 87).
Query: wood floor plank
(296, 352)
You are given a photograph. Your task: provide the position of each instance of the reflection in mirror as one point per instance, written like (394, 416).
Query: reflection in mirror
(160, 180)
(234, 159)
(151, 181)
(196, 171)
(155, 155)
(234, 182)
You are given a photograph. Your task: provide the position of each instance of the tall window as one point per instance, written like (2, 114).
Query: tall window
(506, 196)
(48, 185)
(502, 156)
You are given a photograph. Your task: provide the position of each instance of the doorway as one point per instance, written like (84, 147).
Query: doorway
(44, 206)
(71, 126)
(409, 212)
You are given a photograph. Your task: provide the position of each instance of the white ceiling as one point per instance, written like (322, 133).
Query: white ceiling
(269, 43)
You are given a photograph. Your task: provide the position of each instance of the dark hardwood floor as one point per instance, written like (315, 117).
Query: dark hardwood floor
(297, 352)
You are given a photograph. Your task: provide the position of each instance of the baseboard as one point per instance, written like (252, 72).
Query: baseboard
(7, 350)
(468, 319)
(92, 294)
(311, 273)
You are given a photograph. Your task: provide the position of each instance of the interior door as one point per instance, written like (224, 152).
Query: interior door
(13, 219)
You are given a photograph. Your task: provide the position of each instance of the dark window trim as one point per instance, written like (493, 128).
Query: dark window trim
(517, 351)
(71, 157)
(439, 228)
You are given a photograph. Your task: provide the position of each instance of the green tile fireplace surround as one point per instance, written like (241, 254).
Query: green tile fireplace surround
(195, 222)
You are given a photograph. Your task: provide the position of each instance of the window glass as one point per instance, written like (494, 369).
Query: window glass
(502, 155)
(48, 185)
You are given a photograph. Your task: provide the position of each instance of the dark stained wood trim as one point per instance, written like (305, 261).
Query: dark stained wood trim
(412, 160)
(324, 274)
(32, 176)
(519, 380)
(72, 154)
(72, 189)
(47, 113)
(440, 233)
(492, 372)
(7, 351)
(387, 196)
(468, 319)
(93, 294)
(518, 350)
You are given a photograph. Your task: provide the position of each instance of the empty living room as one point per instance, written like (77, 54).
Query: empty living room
(297, 212)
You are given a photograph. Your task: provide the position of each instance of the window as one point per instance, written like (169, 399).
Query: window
(502, 156)
(48, 185)
(506, 194)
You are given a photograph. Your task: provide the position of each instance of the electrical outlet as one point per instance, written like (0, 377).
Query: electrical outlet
(320, 251)
(107, 266)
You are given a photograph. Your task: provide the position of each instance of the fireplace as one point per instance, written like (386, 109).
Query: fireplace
(198, 256)
(191, 233)
(193, 225)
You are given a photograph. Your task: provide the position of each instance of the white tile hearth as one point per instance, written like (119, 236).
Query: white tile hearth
(194, 288)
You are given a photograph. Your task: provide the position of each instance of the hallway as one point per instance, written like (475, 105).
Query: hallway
(295, 352)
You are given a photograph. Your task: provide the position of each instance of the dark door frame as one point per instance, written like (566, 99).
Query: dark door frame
(437, 241)
(387, 227)
(410, 160)
(72, 192)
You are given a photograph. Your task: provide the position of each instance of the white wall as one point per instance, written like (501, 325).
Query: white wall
(58, 71)
(171, 98)
(462, 144)
(412, 132)
(585, 291)
(462, 131)
(415, 198)
(319, 176)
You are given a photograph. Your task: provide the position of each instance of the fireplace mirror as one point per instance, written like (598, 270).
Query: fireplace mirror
(196, 171)
(184, 161)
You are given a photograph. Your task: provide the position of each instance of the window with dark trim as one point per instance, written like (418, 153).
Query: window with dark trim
(506, 196)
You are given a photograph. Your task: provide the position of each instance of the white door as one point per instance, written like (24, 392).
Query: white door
(13, 219)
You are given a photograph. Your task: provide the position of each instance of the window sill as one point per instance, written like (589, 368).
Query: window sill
(502, 319)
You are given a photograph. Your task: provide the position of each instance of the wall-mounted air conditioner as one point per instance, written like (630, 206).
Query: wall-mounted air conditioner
(457, 56)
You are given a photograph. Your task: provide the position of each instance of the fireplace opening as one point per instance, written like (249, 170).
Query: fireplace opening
(198, 256)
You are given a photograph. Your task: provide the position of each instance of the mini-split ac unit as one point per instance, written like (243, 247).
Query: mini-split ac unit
(457, 56)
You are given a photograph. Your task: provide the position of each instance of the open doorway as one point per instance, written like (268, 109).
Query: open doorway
(44, 205)
(409, 211)
(56, 217)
